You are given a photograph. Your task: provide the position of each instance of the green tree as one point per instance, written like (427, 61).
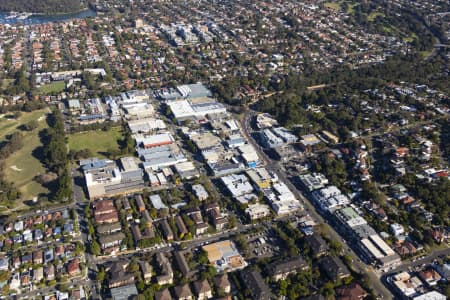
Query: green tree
(94, 248)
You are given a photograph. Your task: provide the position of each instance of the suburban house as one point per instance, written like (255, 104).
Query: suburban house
(282, 269)
(202, 289)
(183, 292)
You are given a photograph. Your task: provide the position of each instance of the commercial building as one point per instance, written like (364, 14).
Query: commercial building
(330, 198)
(264, 121)
(282, 200)
(159, 157)
(406, 285)
(146, 125)
(184, 110)
(258, 211)
(261, 177)
(314, 181)
(187, 170)
(104, 178)
(200, 192)
(187, 91)
(277, 137)
(237, 184)
(156, 140)
(375, 249)
(224, 256)
(309, 140)
(249, 155)
(205, 141)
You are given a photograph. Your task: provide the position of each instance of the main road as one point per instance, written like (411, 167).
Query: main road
(379, 289)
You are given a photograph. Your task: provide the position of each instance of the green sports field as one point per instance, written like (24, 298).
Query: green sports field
(99, 142)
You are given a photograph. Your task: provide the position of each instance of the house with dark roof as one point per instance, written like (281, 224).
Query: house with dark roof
(146, 270)
(139, 203)
(147, 219)
(119, 277)
(181, 226)
(183, 292)
(256, 284)
(182, 264)
(281, 269)
(110, 243)
(350, 292)
(334, 268)
(108, 228)
(317, 244)
(202, 289)
(167, 231)
(222, 283)
(163, 295)
(165, 268)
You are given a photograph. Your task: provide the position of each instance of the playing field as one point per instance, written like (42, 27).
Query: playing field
(54, 87)
(99, 142)
(22, 166)
(332, 5)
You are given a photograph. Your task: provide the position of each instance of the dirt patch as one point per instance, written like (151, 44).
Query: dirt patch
(15, 168)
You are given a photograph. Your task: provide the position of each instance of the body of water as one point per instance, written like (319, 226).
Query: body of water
(21, 18)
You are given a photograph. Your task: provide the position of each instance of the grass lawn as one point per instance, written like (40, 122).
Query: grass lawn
(374, 15)
(54, 87)
(351, 8)
(21, 166)
(425, 53)
(332, 5)
(8, 124)
(411, 38)
(7, 82)
(99, 142)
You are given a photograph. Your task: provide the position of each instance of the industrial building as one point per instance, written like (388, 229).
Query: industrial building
(150, 141)
(276, 137)
(237, 184)
(146, 125)
(187, 91)
(104, 178)
(183, 110)
(159, 157)
(249, 155)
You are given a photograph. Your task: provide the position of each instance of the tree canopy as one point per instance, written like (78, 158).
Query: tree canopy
(41, 6)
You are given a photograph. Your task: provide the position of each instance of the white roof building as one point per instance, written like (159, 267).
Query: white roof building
(397, 229)
(200, 191)
(257, 211)
(237, 184)
(433, 295)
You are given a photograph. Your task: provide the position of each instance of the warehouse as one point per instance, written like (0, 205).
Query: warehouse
(237, 185)
(155, 140)
(184, 110)
(146, 125)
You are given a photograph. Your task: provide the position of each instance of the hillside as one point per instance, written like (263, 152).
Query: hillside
(41, 6)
